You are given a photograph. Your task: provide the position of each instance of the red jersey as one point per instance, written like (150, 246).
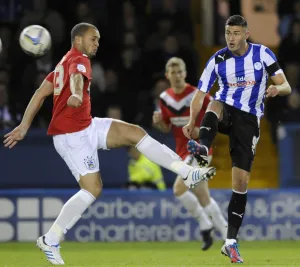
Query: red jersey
(66, 119)
(175, 109)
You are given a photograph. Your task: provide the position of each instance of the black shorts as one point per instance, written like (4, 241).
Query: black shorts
(243, 131)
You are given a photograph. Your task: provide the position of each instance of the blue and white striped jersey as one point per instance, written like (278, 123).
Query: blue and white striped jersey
(242, 79)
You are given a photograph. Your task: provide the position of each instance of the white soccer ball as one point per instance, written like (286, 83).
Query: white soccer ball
(35, 40)
(0, 45)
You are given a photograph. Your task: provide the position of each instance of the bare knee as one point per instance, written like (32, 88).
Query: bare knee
(124, 134)
(96, 190)
(216, 107)
(92, 183)
(135, 134)
(240, 179)
(179, 188)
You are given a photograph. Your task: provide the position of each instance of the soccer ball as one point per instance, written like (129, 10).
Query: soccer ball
(0, 45)
(35, 40)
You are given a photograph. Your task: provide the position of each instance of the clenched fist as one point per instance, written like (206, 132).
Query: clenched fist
(188, 130)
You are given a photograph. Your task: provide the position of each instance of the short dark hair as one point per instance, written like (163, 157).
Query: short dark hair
(237, 20)
(80, 29)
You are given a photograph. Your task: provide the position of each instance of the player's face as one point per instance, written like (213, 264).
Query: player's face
(176, 75)
(90, 42)
(236, 37)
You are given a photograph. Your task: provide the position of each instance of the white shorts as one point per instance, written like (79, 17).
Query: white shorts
(79, 149)
(190, 160)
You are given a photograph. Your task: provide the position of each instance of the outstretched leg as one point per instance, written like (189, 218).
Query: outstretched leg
(125, 134)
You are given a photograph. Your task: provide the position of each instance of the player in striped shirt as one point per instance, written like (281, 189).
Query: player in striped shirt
(242, 71)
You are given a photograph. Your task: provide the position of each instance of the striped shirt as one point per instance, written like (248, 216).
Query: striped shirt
(242, 79)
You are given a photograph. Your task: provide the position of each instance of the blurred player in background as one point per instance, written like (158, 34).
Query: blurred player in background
(242, 70)
(77, 136)
(173, 115)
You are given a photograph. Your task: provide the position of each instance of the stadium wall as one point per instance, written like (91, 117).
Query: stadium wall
(289, 157)
(34, 163)
(121, 215)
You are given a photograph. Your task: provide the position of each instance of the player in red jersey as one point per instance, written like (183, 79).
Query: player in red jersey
(173, 115)
(77, 136)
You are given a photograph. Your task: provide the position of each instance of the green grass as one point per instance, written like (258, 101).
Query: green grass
(275, 253)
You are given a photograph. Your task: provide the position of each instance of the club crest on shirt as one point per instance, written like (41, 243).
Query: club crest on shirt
(90, 163)
(257, 65)
(81, 68)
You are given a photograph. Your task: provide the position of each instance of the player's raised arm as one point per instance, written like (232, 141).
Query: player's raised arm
(37, 100)
(76, 87)
(282, 86)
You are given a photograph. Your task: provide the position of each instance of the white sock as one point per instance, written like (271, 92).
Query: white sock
(192, 205)
(68, 216)
(214, 212)
(163, 156)
(230, 242)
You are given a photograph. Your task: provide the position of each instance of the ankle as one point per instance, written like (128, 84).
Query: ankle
(229, 242)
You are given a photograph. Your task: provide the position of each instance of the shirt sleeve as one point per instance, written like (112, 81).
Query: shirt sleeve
(50, 77)
(208, 76)
(81, 65)
(270, 62)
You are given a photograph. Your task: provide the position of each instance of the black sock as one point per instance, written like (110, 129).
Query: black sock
(236, 211)
(208, 129)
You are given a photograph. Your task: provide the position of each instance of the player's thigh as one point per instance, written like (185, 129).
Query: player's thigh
(123, 134)
(244, 136)
(179, 188)
(78, 151)
(216, 107)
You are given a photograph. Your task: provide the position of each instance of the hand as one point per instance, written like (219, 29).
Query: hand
(13, 137)
(74, 101)
(188, 130)
(157, 117)
(272, 91)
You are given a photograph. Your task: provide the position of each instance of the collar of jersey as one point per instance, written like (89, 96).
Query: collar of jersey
(243, 56)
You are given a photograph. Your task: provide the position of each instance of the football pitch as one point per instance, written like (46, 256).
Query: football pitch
(271, 253)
